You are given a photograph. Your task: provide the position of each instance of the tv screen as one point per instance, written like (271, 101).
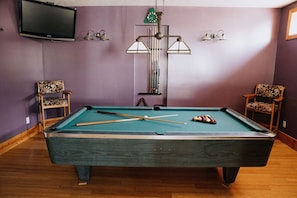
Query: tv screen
(47, 21)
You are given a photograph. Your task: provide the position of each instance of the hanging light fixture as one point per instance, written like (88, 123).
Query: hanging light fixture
(178, 47)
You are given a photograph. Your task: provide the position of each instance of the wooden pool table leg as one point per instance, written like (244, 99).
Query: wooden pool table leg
(84, 173)
(229, 174)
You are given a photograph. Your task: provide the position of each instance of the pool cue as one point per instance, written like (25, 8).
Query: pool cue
(130, 119)
(106, 122)
(154, 63)
(151, 77)
(158, 64)
(144, 117)
(135, 116)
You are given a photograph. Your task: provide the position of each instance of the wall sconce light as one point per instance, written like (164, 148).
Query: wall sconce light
(219, 35)
(101, 35)
(178, 47)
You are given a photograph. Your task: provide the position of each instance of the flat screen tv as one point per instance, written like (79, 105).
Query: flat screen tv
(46, 21)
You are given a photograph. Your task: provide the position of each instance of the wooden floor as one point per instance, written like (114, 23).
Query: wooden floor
(26, 171)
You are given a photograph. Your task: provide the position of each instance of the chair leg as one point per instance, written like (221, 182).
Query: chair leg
(271, 121)
(40, 115)
(64, 111)
(69, 110)
(42, 118)
(277, 121)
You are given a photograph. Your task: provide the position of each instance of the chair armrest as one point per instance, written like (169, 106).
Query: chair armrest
(39, 95)
(278, 99)
(252, 95)
(67, 92)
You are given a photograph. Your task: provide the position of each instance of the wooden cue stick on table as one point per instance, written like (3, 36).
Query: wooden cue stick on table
(106, 122)
(144, 117)
(132, 118)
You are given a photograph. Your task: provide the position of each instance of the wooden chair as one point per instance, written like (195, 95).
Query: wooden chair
(267, 99)
(52, 94)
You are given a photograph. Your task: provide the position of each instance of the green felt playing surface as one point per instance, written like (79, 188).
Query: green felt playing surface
(225, 121)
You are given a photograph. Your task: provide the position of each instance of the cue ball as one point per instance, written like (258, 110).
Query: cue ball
(145, 116)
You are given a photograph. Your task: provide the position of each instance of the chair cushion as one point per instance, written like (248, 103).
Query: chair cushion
(269, 91)
(54, 101)
(47, 87)
(261, 106)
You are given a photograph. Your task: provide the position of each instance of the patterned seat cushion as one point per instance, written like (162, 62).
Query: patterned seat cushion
(47, 87)
(54, 101)
(269, 91)
(261, 106)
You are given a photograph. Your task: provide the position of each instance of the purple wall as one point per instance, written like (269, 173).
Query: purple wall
(286, 73)
(219, 73)
(98, 72)
(21, 65)
(101, 73)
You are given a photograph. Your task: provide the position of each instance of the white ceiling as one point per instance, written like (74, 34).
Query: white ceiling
(194, 3)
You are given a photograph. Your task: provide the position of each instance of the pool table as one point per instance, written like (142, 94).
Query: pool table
(158, 137)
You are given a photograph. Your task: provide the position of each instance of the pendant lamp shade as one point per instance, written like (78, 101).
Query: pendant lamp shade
(138, 47)
(179, 47)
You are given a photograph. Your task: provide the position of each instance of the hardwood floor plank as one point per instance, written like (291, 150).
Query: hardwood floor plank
(26, 171)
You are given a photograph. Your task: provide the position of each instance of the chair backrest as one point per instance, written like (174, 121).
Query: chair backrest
(50, 86)
(269, 91)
